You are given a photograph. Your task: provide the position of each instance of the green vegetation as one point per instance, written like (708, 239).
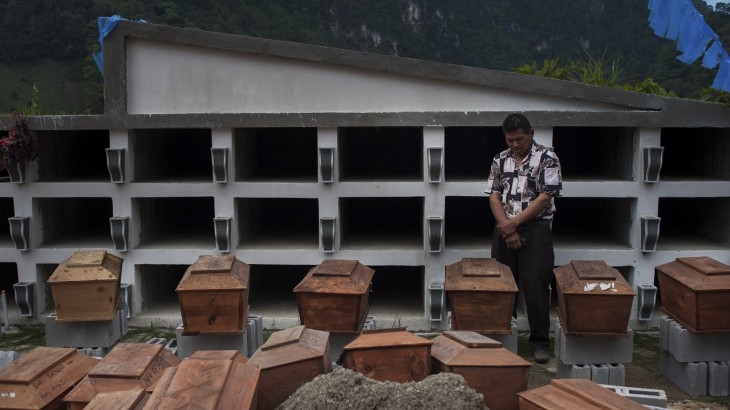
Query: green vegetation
(50, 43)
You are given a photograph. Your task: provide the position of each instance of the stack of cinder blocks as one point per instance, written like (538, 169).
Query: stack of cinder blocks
(598, 358)
(697, 363)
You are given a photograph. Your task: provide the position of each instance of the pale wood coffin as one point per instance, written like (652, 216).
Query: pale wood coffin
(582, 394)
(487, 367)
(593, 299)
(482, 295)
(334, 296)
(94, 274)
(695, 291)
(213, 295)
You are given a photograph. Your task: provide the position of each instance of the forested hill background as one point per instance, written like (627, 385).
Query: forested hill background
(46, 45)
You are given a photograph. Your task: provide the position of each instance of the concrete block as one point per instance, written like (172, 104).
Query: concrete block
(689, 347)
(718, 375)
(171, 346)
(599, 373)
(97, 333)
(648, 397)
(664, 332)
(254, 333)
(616, 374)
(157, 341)
(572, 349)
(98, 352)
(509, 340)
(573, 371)
(7, 356)
(690, 377)
(189, 344)
(370, 323)
(338, 341)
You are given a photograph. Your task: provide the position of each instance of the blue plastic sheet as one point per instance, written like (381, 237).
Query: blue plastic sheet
(679, 20)
(106, 26)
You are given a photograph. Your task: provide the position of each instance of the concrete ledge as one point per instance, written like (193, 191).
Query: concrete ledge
(571, 349)
(691, 377)
(648, 397)
(686, 346)
(89, 334)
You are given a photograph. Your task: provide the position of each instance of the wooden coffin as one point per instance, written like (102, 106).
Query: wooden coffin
(40, 378)
(134, 399)
(213, 380)
(582, 394)
(334, 296)
(94, 274)
(289, 359)
(127, 366)
(213, 295)
(482, 294)
(593, 298)
(487, 367)
(389, 355)
(695, 292)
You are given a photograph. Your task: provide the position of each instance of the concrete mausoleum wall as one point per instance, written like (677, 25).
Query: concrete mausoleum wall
(286, 154)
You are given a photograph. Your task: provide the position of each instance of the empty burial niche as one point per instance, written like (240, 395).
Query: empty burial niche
(9, 277)
(171, 154)
(276, 154)
(7, 210)
(595, 153)
(157, 284)
(397, 292)
(468, 152)
(469, 223)
(278, 222)
(271, 289)
(182, 222)
(375, 223)
(380, 153)
(73, 155)
(694, 223)
(75, 222)
(593, 222)
(695, 153)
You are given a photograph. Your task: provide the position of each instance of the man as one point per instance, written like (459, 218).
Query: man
(522, 183)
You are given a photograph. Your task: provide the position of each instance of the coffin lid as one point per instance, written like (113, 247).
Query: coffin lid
(215, 272)
(132, 360)
(291, 346)
(700, 273)
(573, 277)
(479, 274)
(471, 349)
(337, 276)
(88, 266)
(25, 368)
(384, 338)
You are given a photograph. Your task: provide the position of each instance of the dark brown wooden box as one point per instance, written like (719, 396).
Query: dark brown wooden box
(334, 296)
(213, 295)
(695, 291)
(40, 378)
(94, 274)
(214, 380)
(128, 366)
(288, 359)
(582, 394)
(487, 367)
(482, 294)
(389, 355)
(584, 307)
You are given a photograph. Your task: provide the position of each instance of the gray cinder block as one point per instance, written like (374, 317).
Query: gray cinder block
(616, 374)
(98, 352)
(583, 349)
(599, 373)
(655, 398)
(189, 344)
(97, 333)
(509, 340)
(690, 347)
(254, 333)
(691, 377)
(717, 379)
(573, 371)
(7, 356)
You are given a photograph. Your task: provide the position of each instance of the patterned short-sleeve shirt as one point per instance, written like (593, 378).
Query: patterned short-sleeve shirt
(519, 185)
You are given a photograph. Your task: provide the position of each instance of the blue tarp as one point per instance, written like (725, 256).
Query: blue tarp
(679, 20)
(106, 26)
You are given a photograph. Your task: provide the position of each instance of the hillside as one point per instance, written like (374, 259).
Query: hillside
(49, 43)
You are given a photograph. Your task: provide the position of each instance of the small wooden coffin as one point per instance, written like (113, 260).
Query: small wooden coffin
(593, 298)
(288, 359)
(212, 380)
(127, 366)
(134, 399)
(482, 294)
(334, 296)
(487, 367)
(94, 274)
(582, 394)
(695, 292)
(389, 355)
(213, 295)
(40, 378)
